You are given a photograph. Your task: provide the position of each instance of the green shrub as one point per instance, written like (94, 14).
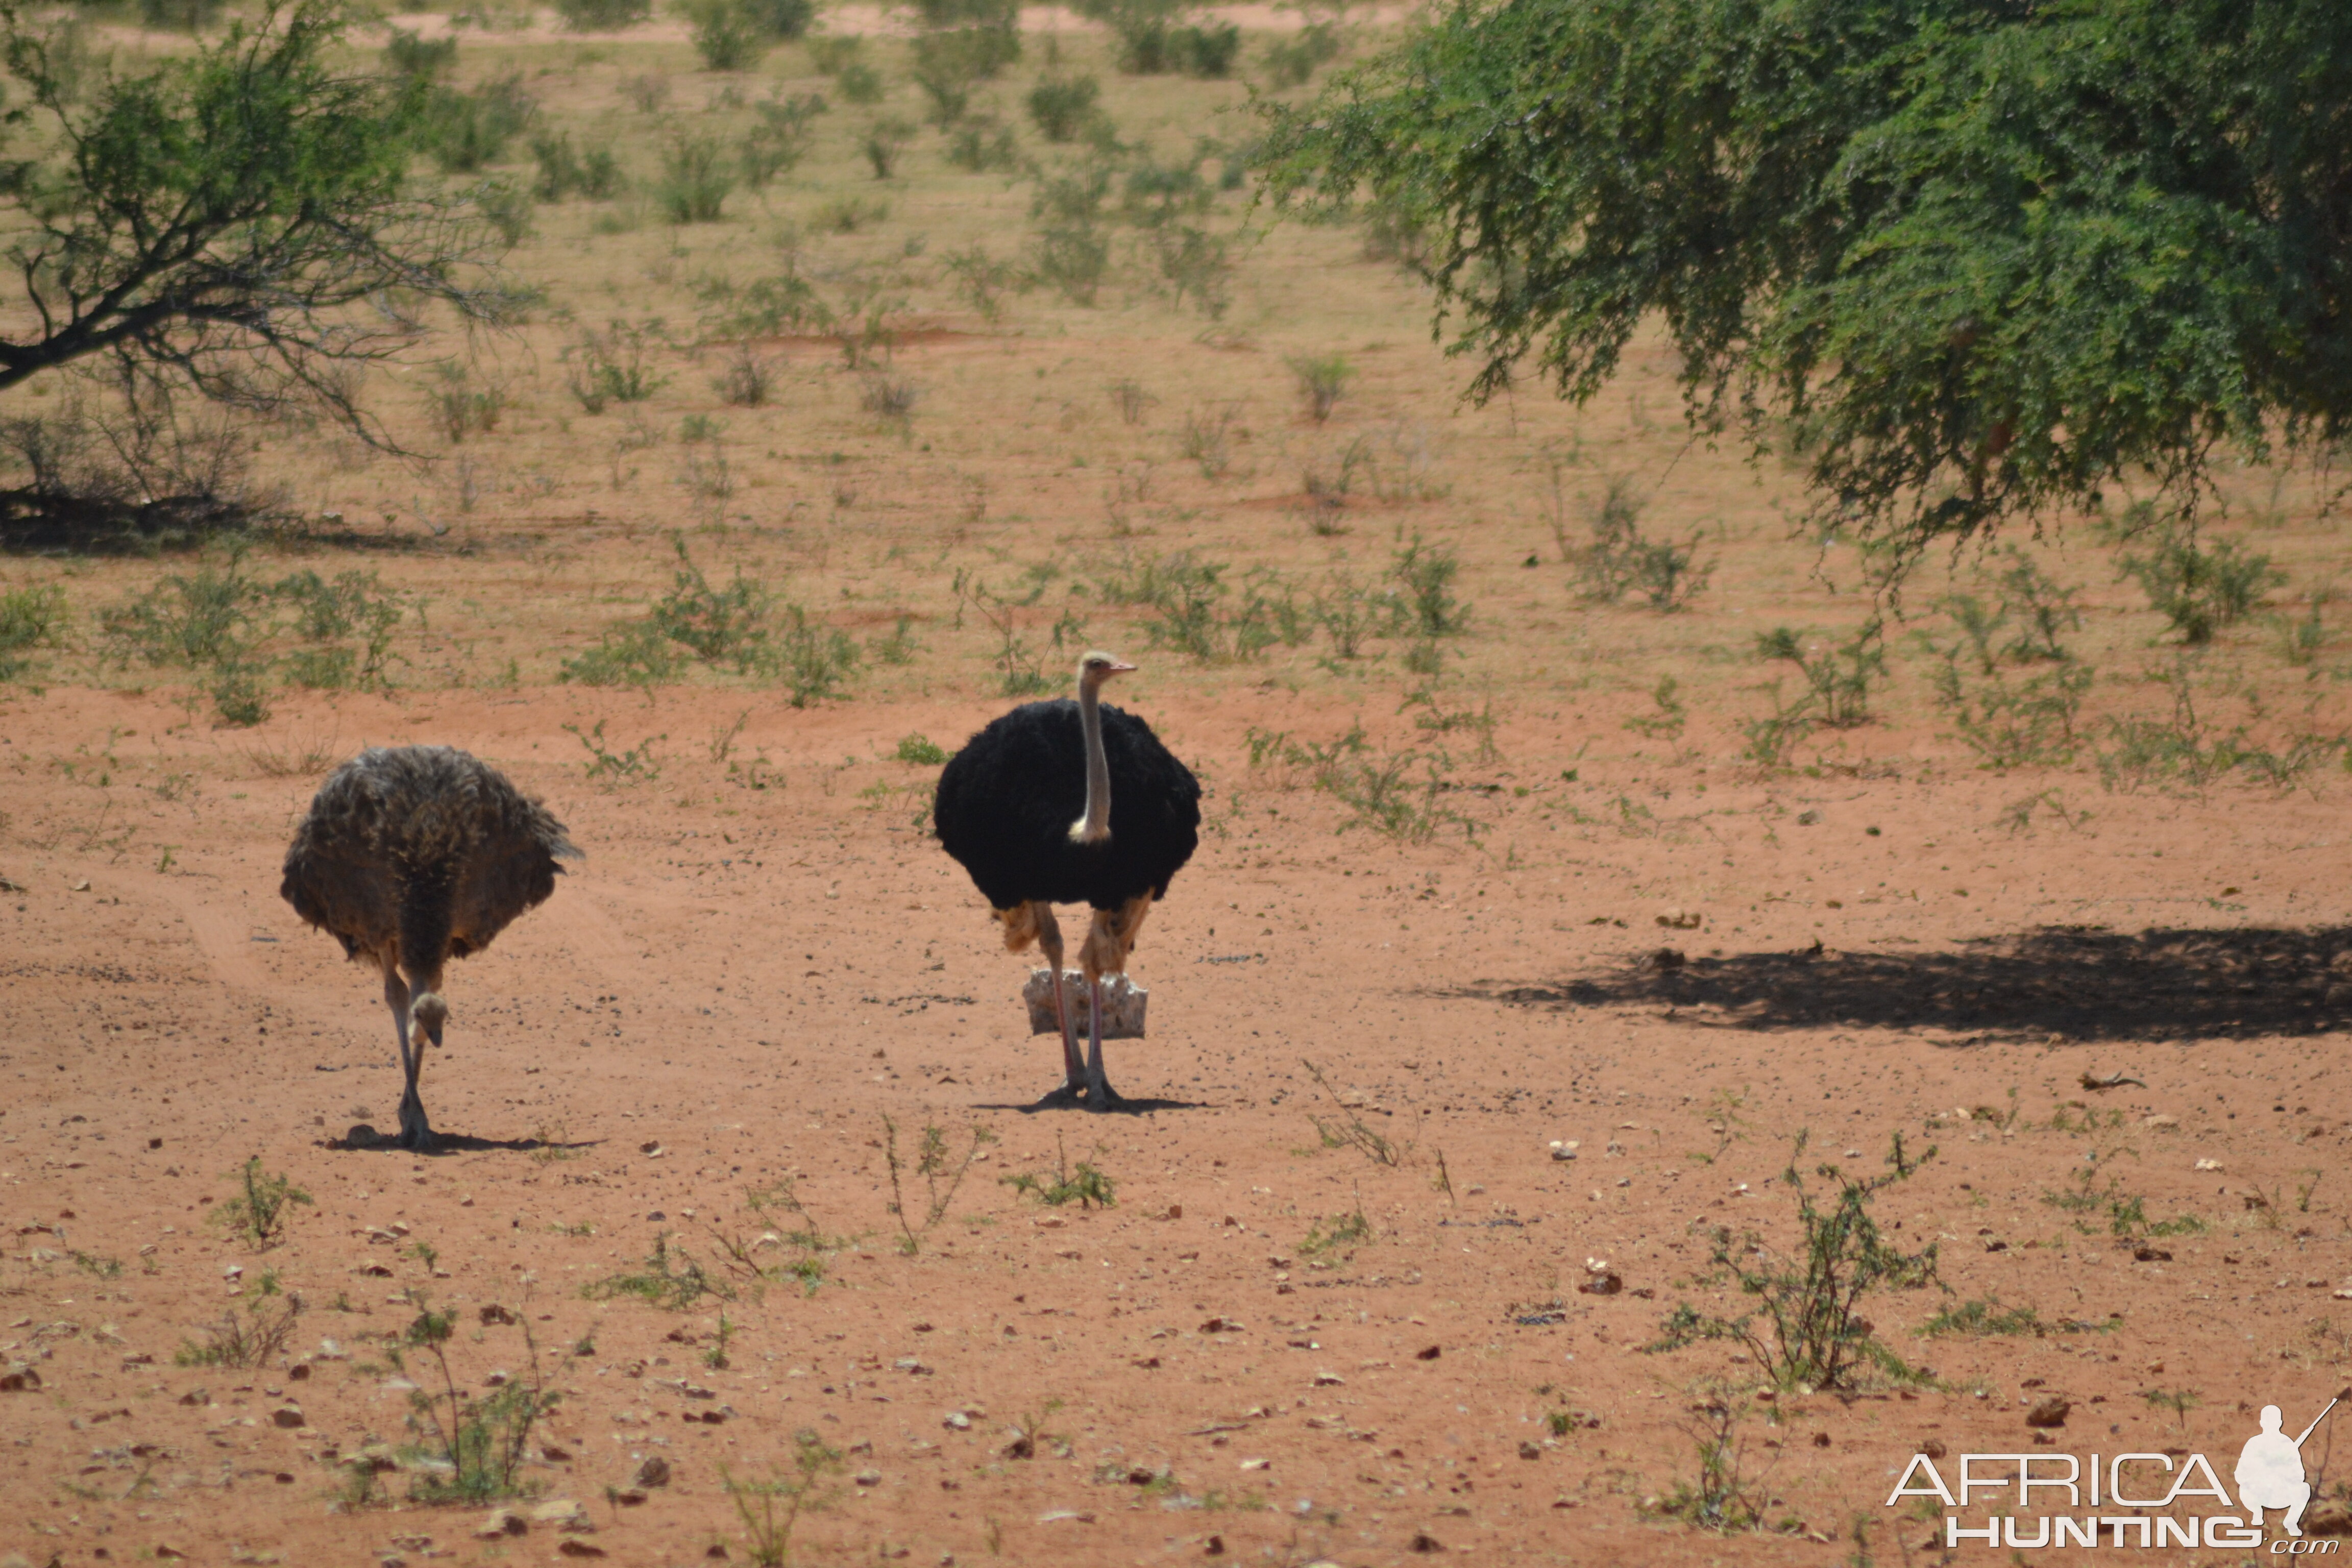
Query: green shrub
(257, 1213)
(779, 136)
(1619, 559)
(602, 16)
(30, 617)
(1292, 61)
(981, 143)
(1322, 381)
(2200, 591)
(610, 367)
(407, 54)
(831, 56)
(860, 83)
(884, 139)
(1063, 106)
(695, 181)
(782, 20)
(463, 132)
(564, 172)
(725, 33)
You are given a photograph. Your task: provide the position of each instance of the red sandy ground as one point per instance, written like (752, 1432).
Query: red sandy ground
(744, 988)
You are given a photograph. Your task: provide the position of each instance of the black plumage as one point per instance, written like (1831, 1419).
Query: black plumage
(412, 856)
(1038, 820)
(1006, 801)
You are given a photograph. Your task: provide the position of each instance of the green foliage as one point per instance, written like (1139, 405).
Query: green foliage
(770, 1509)
(564, 172)
(602, 16)
(1979, 263)
(1336, 1233)
(1669, 716)
(2200, 591)
(1838, 676)
(31, 616)
(2011, 687)
(210, 218)
(1087, 1187)
(462, 406)
(1347, 1130)
(610, 367)
(409, 54)
(885, 138)
(981, 143)
(463, 131)
(830, 56)
(920, 752)
(256, 1339)
(1062, 107)
(695, 181)
(1322, 381)
(473, 1449)
(725, 33)
(1619, 559)
(860, 83)
(1980, 1319)
(1806, 1328)
(1379, 788)
(743, 624)
(1292, 60)
(1071, 252)
(943, 1176)
(1423, 575)
(328, 615)
(1722, 1497)
(2185, 746)
(637, 765)
(949, 62)
(671, 1279)
(779, 137)
(257, 1213)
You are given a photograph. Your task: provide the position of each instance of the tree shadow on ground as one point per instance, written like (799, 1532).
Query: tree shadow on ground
(2058, 984)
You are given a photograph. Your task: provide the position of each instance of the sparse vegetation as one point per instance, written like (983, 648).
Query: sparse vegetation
(770, 1509)
(1619, 559)
(475, 1446)
(258, 1211)
(942, 1173)
(1805, 1327)
(1086, 1186)
(672, 1278)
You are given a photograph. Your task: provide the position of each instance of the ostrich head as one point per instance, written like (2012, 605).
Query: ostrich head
(1098, 666)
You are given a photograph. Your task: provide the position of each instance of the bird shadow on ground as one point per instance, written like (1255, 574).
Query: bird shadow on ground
(463, 1144)
(2055, 984)
(1124, 1106)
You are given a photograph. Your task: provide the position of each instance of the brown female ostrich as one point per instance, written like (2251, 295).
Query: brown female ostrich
(412, 856)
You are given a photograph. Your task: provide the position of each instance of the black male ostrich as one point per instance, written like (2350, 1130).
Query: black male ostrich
(412, 856)
(1062, 803)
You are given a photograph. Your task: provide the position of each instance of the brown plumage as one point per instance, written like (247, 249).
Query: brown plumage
(412, 856)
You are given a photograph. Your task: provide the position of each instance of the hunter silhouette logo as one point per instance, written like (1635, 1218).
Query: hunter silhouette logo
(2042, 1498)
(2269, 1470)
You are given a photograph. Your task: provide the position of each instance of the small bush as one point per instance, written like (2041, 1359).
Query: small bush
(1620, 561)
(1063, 107)
(860, 83)
(1838, 678)
(725, 33)
(982, 144)
(1294, 61)
(671, 1280)
(1424, 575)
(564, 172)
(462, 407)
(883, 142)
(1086, 1186)
(2200, 591)
(782, 20)
(1806, 1327)
(257, 1339)
(610, 367)
(949, 63)
(463, 131)
(257, 1213)
(980, 278)
(770, 1509)
(30, 617)
(602, 16)
(779, 137)
(695, 181)
(1322, 382)
(831, 56)
(749, 381)
(649, 92)
(475, 1448)
(407, 54)
(920, 752)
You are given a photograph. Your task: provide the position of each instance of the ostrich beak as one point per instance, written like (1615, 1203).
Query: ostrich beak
(1119, 666)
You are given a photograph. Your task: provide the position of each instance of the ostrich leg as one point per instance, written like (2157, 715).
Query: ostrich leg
(414, 1131)
(1100, 1096)
(1049, 942)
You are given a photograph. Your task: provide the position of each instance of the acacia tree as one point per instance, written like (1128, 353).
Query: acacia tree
(1968, 261)
(236, 222)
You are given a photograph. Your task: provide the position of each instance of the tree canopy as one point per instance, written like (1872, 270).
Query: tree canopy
(236, 221)
(1967, 260)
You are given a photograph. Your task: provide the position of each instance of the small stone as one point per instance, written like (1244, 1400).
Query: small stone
(867, 1477)
(502, 1521)
(578, 1549)
(1424, 1542)
(288, 1415)
(2050, 1412)
(631, 1497)
(564, 1514)
(956, 1420)
(1564, 1149)
(1432, 1353)
(2209, 1165)
(1608, 1283)
(1530, 1451)
(22, 1379)
(494, 1313)
(654, 1473)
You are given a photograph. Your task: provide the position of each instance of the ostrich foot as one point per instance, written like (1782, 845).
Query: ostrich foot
(1067, 1095)
(1100, 1096)
(415, 1132)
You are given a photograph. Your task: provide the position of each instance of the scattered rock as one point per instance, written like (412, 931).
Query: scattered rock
(2144, 1253)
(563, 1514)
(288, 1415)
(1530, 1451)
(1607, 1282)
(22, 1379)
(578, 1549)
(197, 1396)
(631, 1497)
(1213, 1547)
(2160, 1123)
(1665, 958)
(1563, 1148)
(1681, 919)
(2050, 1412)
(2209, 1165)
(1432, 1353)
(494, 1313)
(654, 1473)
(1424, 1542)
(502, 1521)
(1222, 1326)
(956, 1420)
